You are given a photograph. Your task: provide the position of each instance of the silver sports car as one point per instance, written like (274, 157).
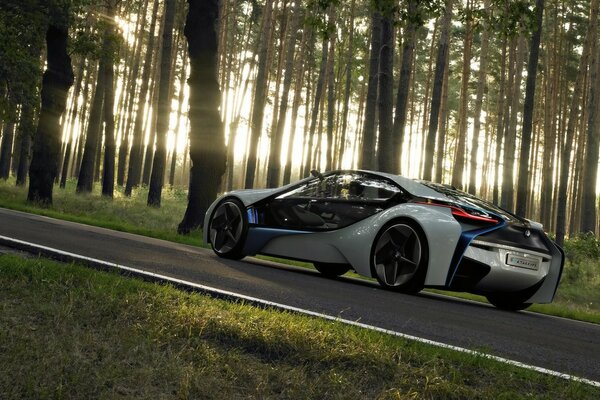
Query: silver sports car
(405, 233)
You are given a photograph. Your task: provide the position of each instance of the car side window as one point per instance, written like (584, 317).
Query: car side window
(345, 186)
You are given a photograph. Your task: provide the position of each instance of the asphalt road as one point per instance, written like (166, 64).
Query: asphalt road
(558, 344)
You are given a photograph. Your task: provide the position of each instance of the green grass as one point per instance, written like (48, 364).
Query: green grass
(121, 213)
(578, 296)
(70, 332)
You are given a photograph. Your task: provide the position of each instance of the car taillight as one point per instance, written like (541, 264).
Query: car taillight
(466, 215)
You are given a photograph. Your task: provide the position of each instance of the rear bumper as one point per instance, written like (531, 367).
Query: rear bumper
(489, 267)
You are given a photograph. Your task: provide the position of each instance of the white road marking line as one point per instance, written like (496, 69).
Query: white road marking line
(225, 293)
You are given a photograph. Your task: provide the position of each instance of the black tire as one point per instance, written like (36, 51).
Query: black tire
(509, 302)
(228, 229)
(399, 256)
(332, 270)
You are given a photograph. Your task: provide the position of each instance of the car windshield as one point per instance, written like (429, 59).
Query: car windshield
(469, 200)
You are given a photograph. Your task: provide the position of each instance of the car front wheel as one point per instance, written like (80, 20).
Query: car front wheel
(399, 257)
(228, 229)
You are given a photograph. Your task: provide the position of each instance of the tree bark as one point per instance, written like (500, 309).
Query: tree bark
(86, 171)
(164, 108)
(26, 130)
(108, 172)
(481, 84)
(134, 168)
(56, 83)
(408, 48)
(463, 114)
(207, 138)
(440, 67)
(259, 96)
(534, 51)
(590, 160)
(368, 155)
(561, 212)
(274, 168)
(386, 149)
(314, 119)
(511, 131)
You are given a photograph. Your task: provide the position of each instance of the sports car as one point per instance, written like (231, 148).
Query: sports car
(407, 234)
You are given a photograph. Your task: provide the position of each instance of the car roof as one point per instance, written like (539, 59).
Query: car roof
(412, 186)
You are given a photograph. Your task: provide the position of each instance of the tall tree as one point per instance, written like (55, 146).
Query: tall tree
(518, 49)
(463, 113)
(134, 168)
(368, 155)
(414, 21)
(481, 84)
(534, 51)
(441, 65)
(207, 138)
(56, 83)
(386, 150)
(108, 172)
(258, 108)
(592, 133)
(164, 108)
(274, 168)
(561, 214)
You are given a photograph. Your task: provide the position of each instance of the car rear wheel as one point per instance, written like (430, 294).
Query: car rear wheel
(399, 257)
(332, 270)
(508, 302)
(228, 229)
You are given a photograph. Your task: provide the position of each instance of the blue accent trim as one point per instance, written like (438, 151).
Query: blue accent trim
(466, 237)
(258, 237)
(252, 215)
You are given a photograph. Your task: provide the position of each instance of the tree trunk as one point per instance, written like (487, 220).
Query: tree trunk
(534, 51)
(306, 38)
(260, 95)
(481, 84)
(386, 150)
(164, 108)
(134, 168)
(561, 212)
(26, 130)
(463, 114)
(440, 67)
(314, 119)
(443, 123)
(108, 172)
(6, 148)
(178, 130)
(408, 48)
(368, 154)
(348, 84)
(207, 138)
(330, 95)
(511, 131)
(590, 161)
(56, 82)
(274, 168)
(86, 171)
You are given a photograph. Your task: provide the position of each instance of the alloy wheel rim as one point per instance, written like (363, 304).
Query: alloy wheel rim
(226, 227)
(397, 255)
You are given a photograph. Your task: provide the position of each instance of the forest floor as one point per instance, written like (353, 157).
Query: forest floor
(74, 332)
(578, 296)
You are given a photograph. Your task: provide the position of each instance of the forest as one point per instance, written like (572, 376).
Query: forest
(498, 98)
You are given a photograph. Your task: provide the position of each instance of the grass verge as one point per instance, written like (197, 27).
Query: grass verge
(72, 332)
(578, 296)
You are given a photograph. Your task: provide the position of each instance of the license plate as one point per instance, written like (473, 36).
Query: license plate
(522, 262)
